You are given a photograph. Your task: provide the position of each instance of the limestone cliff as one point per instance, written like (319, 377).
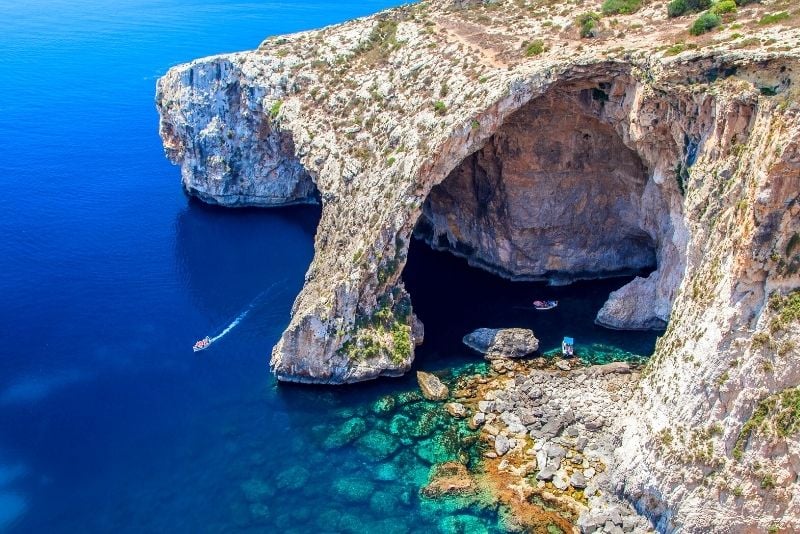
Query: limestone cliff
(500, 134)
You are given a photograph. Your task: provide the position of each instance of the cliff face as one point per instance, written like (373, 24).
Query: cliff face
(592, 157)
(215, 126)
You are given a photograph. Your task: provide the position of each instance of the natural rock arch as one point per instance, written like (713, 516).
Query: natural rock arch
(555, 193)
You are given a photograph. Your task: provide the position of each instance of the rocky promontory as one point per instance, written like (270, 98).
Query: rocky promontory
(544, 142)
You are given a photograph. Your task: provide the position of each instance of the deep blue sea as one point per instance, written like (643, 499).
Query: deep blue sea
(108, 274)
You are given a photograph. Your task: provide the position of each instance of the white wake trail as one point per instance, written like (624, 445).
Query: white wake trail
(239, 318)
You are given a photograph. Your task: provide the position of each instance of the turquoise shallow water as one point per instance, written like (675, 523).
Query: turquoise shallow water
(108, 421)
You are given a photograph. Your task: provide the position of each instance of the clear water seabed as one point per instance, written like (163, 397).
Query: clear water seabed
(108, 421)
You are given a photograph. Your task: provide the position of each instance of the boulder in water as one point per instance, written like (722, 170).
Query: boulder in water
(497, 343)
(432, 388)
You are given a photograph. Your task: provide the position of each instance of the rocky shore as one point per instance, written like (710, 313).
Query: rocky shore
(548, 429)
(663, 150)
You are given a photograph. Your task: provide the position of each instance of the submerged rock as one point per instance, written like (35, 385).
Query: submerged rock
(496, 343)
(350, 431)
(462, 523)
(377, 444)
(293, 478)
(353, 489)
(384, 405)
(257, 489)
(432, 388)
(450, 478)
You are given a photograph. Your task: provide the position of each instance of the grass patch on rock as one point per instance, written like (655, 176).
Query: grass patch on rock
(778, 415)
(774, 18)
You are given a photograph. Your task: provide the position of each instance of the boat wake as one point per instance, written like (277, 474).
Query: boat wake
(208, 340)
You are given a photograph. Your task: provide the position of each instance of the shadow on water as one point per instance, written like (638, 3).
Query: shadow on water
(452, 299)
(215, 244)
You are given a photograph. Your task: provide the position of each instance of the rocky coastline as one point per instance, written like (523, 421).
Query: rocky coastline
(665, 153)
(549, 436)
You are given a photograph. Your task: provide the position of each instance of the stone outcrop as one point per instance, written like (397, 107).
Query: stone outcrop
(229, 150)
(496, 343)
(435, 119)
(432, 388)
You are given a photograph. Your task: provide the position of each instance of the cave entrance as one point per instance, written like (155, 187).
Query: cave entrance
(554, 195)
(552, 198)
(452, 298)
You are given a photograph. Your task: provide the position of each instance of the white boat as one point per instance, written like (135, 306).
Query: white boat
(568, 347)
(202, 344)
(545, 304)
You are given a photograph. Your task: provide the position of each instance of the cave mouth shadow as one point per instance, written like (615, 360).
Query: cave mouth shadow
(452, 299)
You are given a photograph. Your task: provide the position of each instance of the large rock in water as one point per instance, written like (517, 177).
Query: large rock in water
(495, 343)
(432, 388)
(631, 307)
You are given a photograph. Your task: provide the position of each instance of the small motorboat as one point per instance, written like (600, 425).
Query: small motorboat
(568, 347)
(202, 344)
(545, 304)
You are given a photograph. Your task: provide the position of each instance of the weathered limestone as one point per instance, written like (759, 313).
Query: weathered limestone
(432, 388)
(496, 343)
(560, 206)
(394, 118)
(214, 125)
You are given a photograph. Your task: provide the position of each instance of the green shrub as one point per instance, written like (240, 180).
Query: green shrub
(588, 23)
(439, 107)
(676, 8)
(772, 18)
(622, 7)
(275, 109)
(704, 23)
(745, 2)
(724, 6)
(534, 48)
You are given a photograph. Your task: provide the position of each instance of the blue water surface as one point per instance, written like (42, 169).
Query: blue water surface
(108, 274)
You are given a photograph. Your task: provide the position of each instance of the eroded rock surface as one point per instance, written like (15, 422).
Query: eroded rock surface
(432, 388)
(402, 117)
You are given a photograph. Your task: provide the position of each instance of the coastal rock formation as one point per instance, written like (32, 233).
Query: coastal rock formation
(643, 149)
(229, 150)
(496, 343)
(432, 388)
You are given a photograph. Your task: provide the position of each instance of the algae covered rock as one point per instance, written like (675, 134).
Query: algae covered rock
(292, 478)
(462, 523)
(496, 343)
(384, 405)
(377, 445)
(450, 478)
(350, 431)
(432, 388)
(353, 489)
(256, 489)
